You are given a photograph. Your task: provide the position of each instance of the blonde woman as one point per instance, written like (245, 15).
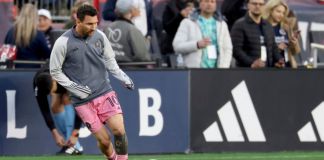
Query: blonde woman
(31, 43)
(285, 27)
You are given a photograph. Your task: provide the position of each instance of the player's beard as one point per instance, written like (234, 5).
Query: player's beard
(90, 33)
(87, 32)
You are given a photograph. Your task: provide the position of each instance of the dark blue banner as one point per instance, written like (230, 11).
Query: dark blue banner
(156, 115)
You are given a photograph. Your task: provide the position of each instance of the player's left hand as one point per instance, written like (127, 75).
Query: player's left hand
(130, 85)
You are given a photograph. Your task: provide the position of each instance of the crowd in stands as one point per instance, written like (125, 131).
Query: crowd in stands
(30, 41)
(240, 33)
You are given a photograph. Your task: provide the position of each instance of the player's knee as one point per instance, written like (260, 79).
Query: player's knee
(121, 144)
(118, 131)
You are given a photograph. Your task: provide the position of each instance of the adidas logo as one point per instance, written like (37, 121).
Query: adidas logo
(230, 122)
(307, 133)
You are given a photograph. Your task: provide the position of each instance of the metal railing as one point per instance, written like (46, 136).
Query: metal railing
(315, 47)
(10, 64)
(60, 9)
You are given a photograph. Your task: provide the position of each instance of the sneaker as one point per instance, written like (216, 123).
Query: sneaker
(73, 151)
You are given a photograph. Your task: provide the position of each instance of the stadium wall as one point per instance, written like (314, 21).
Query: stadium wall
(156, 115)
(179, 111)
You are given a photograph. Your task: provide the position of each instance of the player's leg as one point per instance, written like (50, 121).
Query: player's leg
(111, 113)
(58, 111)
(69, 121)
(89, 116)
(116, 124)
(104, 143)
(69, 115)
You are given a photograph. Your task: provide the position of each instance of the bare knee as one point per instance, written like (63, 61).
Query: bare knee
(118, 131)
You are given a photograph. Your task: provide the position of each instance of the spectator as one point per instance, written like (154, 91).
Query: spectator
(31, 43)
(69, 24)
(127, 41)
(144, 20)
(233, 10)
(285, 29)
(253, 40)
(45, 24)
(175, 11)
(204, 39)
(108, 12)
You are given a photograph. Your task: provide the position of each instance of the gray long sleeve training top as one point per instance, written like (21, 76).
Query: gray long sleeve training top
(80, 65)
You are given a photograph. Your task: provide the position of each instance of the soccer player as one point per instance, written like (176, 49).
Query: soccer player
(65, 121)
(79, 62)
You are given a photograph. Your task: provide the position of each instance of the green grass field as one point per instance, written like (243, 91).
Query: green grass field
(207, 156)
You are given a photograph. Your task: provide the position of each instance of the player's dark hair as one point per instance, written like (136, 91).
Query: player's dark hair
(86, 10)
(44, 83)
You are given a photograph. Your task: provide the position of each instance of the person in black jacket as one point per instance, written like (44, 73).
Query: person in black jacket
(45, 25)
(60, 118)
(174, 13)
(253, 40)
(233, 10)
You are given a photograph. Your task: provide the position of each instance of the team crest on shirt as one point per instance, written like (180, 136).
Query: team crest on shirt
(282, 32)
(98, 44)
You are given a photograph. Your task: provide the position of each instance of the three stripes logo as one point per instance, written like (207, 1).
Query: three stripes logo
(307, 133)
(230, 122)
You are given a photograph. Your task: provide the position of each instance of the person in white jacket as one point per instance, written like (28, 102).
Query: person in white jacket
(203, 39)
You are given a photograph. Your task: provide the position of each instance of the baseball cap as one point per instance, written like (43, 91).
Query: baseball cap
(45, 13)
(124, 6)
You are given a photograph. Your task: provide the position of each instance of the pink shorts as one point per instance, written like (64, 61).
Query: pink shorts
(97, 111)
